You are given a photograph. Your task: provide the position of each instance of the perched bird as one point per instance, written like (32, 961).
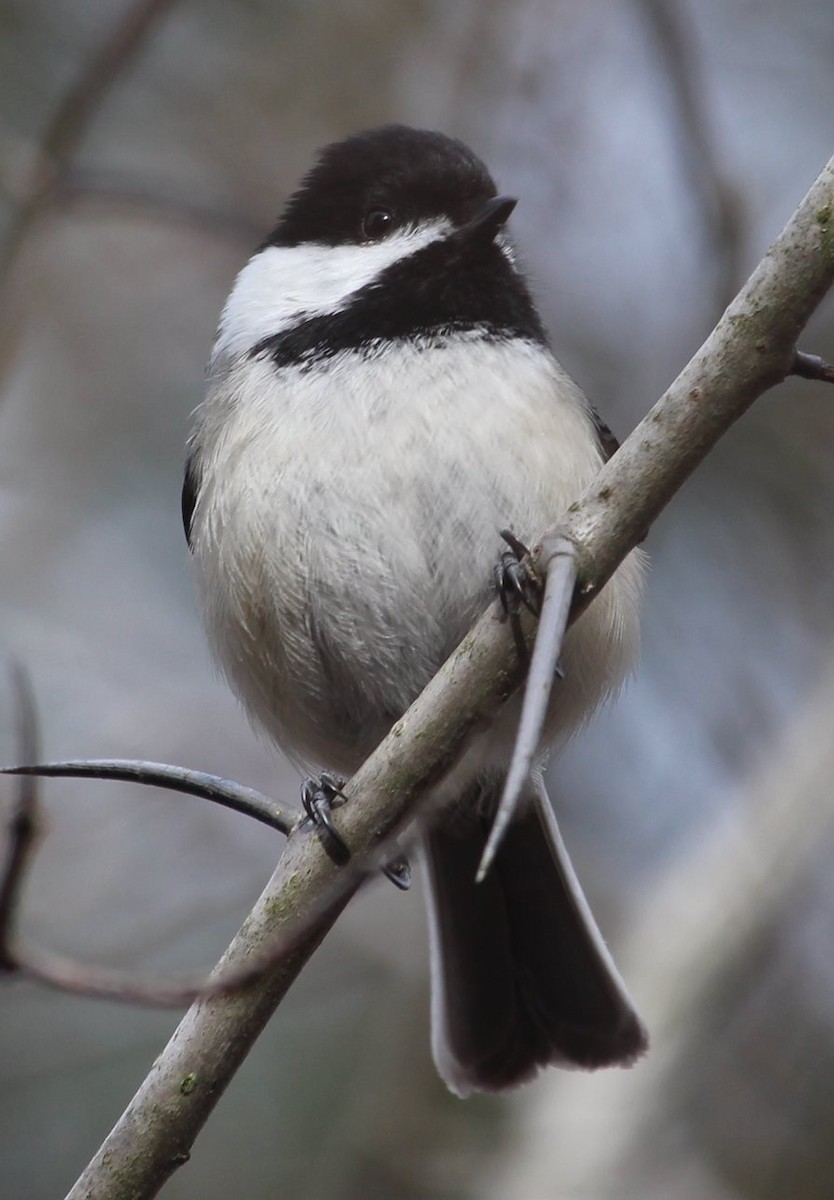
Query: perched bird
(382, 400)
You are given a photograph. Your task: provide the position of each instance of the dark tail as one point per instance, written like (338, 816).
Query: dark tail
(520, 974)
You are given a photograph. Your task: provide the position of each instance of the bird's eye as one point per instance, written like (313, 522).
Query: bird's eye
(376, 223)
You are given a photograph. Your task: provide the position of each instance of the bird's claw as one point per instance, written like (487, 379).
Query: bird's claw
(398, 870)
(318, 799)
(515, 582)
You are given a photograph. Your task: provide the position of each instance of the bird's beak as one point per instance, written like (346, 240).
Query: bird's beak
(488, 219)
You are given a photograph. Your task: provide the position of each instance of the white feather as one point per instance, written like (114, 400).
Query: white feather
(282, 285)
(348, 524)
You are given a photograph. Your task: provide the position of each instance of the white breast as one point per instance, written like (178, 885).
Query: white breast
(348, 523)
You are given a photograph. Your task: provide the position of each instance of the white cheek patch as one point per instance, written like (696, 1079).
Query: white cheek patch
(283, 285)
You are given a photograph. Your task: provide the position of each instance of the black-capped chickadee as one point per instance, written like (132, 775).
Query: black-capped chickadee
(382, 401)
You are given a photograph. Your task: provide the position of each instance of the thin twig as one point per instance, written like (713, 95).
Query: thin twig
(811, 366)
(22, 828)
(108, 983)
(86, 979)
(560, 568)
(224, 792)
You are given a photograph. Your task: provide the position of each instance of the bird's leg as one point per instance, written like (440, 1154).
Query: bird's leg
(515, 582)
(318, 799)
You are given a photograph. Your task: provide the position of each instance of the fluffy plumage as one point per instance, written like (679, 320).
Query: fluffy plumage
(378, 408)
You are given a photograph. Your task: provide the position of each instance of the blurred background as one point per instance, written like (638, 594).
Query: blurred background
(656, 147)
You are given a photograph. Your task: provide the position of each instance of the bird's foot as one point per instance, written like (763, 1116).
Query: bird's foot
(318, 799)
(514, 580)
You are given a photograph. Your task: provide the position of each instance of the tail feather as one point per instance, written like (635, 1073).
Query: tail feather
(521, 975)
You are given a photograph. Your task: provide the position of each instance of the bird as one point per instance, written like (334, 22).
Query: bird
(382, 400)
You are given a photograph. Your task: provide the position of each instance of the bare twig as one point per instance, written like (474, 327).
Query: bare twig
(107, 983)
(811, 366)
(86, 979)
(751, 350)
(22, 826)
(560, 568)
(176, 779)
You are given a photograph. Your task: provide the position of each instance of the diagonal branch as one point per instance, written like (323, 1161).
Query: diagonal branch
(751, 350)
